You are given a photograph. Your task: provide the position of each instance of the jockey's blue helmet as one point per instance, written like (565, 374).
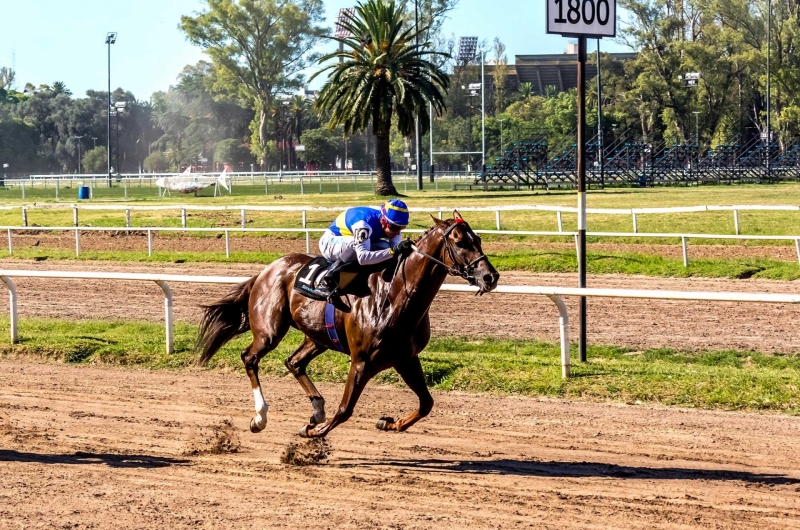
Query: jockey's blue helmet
(396, 212)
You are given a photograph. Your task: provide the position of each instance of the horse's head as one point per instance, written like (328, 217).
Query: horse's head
(463, 255)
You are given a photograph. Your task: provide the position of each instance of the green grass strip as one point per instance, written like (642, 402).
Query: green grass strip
(731, 380)
(560, 261)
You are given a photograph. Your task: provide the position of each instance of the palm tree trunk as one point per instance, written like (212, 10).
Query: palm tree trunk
(383, 164)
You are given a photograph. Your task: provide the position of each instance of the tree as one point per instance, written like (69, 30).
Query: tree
(156, 162)
(259, 49)
(95, 160)
(232, 152)
(500, 76)
(321, 147)
(382, 74)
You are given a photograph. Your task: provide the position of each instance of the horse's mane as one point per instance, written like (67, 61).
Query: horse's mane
(424, 234)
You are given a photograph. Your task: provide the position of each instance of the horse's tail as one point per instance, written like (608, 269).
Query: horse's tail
(224, 320)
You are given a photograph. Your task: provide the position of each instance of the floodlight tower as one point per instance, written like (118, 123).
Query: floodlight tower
(340, 31)
(111, 38)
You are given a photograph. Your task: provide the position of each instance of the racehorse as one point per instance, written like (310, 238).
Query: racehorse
(386, 329)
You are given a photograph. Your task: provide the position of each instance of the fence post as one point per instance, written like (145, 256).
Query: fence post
(227, 244)
(301, 185)
(497, 218)
(563, 328)
(12, 305)
(56, 189)
(685, 252)
(10, 244)
(577, 247)
(183, 217)
(128, 217)
(24, 216)
(266, 185)
(77, 243)
(736, 221)
(149, 243)
(635, 224)
(244, 218)
(796, 245)
(560, 223)
(304, 219)
(440, 214)
(75, 215)
(167, 314)
(23, 190)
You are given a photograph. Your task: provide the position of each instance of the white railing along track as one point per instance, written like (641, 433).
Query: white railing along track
(554, 293)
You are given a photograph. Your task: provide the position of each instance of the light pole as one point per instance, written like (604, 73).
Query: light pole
(79, 152)
(111, 38)
(769, 50)
(94, 142)
(119, 108)
(696, 129)
(501, 120)
(418, 137)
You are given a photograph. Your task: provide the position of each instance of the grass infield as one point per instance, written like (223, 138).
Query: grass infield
(730, 380)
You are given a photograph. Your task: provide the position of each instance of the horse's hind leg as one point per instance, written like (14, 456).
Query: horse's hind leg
(297, 363)
(264, 341)
(410, 370)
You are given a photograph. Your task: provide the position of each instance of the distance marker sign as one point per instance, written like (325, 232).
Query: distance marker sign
(587, 18)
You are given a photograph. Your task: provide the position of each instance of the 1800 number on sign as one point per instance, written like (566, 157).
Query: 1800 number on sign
(590, 18)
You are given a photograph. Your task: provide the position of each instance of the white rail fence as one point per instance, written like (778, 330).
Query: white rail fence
(554, 293)
(308, 231)
(303, 181)
(635, 213)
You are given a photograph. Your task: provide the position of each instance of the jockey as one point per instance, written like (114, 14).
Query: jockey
(366, 235)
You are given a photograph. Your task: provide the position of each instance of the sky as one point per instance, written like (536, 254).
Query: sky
(64, 40)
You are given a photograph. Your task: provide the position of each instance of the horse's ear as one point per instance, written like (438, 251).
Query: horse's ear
(457, 216)
(438, 221)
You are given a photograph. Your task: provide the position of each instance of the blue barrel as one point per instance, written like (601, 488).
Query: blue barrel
(83, 192)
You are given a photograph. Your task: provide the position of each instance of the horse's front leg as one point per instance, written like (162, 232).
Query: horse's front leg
(360, 374)
(410, 370)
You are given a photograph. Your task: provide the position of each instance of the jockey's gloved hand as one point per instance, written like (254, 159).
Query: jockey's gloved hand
(403, 248)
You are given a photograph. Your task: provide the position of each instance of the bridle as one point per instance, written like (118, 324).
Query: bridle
(460, 267)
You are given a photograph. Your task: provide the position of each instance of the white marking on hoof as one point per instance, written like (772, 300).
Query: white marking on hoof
(383, 423)
(304, 431)
(259, 422)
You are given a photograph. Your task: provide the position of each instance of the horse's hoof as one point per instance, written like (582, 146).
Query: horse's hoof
(254, 428)
(383, 423)
(304, 431)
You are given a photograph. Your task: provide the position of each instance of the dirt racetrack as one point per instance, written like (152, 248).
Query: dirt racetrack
(88, 447)
(634, 323)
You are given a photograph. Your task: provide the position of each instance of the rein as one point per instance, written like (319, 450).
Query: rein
(461, 269)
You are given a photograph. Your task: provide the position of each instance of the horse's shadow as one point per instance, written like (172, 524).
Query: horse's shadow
(111, 460)
(557, 469)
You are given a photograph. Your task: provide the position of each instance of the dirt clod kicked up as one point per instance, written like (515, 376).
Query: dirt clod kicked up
(307, 453)
(215, 439)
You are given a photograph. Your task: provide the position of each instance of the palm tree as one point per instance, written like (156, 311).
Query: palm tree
(382, 74)
(525, 90)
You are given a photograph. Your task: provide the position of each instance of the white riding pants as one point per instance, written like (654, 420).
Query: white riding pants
(346, 248)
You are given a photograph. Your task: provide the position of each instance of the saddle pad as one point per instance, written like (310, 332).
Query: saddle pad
(306, 279)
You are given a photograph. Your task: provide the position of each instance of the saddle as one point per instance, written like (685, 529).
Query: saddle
(351, 278)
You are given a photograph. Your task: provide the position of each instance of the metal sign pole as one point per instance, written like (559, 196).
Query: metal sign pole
(582, 193)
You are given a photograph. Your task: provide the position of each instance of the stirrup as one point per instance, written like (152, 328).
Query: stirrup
(335, 300)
